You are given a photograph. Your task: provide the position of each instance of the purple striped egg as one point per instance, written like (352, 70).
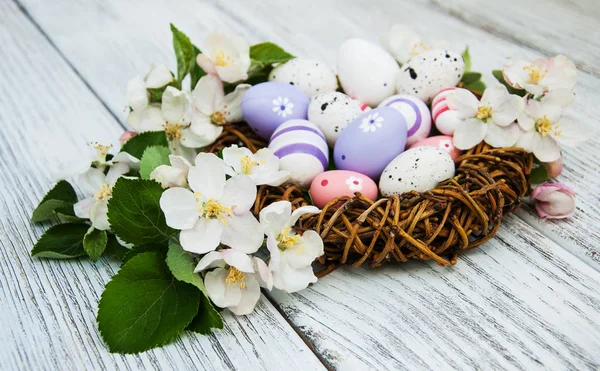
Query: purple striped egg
(416, 114)
(302, 150)
(266, 106)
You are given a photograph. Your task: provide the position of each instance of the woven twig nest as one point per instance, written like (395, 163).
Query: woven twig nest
(460, 214)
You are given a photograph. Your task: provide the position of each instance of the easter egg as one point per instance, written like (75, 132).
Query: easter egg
(371, 141)
(336, 183)
(416, 114)
(333, 112)
(444, 142)
(267, 105)
(310, 76)
(418, 169)
(366, 71)
(301, 149)
(426, 74)
(445, 119)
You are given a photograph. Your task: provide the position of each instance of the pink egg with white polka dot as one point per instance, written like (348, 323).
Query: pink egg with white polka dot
(441, 141)
(445, 119)
(336, 183)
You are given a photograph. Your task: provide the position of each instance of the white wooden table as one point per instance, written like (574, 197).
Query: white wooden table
(529, 299)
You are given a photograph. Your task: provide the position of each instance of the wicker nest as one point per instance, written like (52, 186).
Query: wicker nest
(462, 213)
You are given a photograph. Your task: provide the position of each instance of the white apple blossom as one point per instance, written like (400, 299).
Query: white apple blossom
(211, 108)
(545, 129)
(215, 211)
(291, 254)
(137, 94)
(542, 75)
(235, 282)
(226, 57)
(404, 43)
(97, 188)
(174, 175)
(262, 166)
(491, 119)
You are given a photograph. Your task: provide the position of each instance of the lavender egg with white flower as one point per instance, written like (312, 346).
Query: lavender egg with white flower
(302, 150)
(333, 112)
(311, 76)
(428, 73)
(267, 105)
(415, 112)
(366, 71)
(417, 169)
(371, 141)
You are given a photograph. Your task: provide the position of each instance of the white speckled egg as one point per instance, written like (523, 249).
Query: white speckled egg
(301, 149)
(445, 119)
(311, 76)
(430, 72)
(416, 114)
(366, 71)
(417, 169)
(333, 112)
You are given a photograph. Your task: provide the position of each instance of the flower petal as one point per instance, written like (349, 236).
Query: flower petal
(190, 139)
(208, 94)
(206, 64)
(515, 73)
(180, 208)
(222, 294)
(137, 95)
(572, 133)
(239, 193)
(463, 102)
(116, 171)
(207, 176)
(82, 208)
(299, 212)
(91, 181)
(562, 73)
(158, 76)
(243, 233)
(175, 105)
(264, 276)
(233, 157)
(546, 149)
(99, 215)
(238, 259)
(275, 253)
(148, 119)
(502, 136)
(249, 297)
(291, 280)
(469, 133)
(211, 260)
(311, 248)
(507, 109)
(204, 237)
(232, 104)
(169, 176)
(273, 218)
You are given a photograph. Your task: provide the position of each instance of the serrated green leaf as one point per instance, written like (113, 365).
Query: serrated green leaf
(539, 175)
(184, 52)
(197, 72)
(182, 266)
(62, 195)
(138, 144)
(144, 306)
(467, 58)
(67, 215)
(94, 243)
(269, 53)
(62, 241)
(470, 77)
(114, 249)
(500, 77)
(140, 249)
(134, 212)
(152, 158)
(206, 319)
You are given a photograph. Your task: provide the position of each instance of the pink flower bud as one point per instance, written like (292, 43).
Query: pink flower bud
(554, 168)
(126, 136)
(554, 200)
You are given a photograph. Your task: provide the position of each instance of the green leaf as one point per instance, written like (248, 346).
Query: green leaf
(62, 241)
(182, 266)
(268, 53)
(140, 249)
(207, 318)
(196, 73)
(478, 86)
(138, 144)
(539, 175)
(467, 58)
(67, 215)
(152, 158)
(144, 306)
(134, 212)
(498, 75)
(470, 77)
(94, 243)
(114, 248)
(184, 52)
(61, 196)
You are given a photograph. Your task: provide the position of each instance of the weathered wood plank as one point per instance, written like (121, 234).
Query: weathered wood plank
(48, 308)
(550, 26)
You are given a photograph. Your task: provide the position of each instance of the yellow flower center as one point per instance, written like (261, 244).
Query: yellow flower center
(248, 164)
(101, 149)
(535, 74)
(218, 118)
(544, 127)
(484, 113)
(419, 48)
(234, 276)
(104, 192)
(222, 59)
(212, 209)
(172, 130)
(286, 240)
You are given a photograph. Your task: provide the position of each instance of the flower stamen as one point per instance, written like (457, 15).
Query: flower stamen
(535, 74)
(248, 164)
(212, 209)
(544, 126)
(172, 130)
(218, 118)
(286, 240)
(104, 192)
(234, 276)
(222, 59)
(484, 113)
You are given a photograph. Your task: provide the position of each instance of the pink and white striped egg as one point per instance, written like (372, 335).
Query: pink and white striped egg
(416, 114)
(302, 150)
(445, 119)
(444, 142)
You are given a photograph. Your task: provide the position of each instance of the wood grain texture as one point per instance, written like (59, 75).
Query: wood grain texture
(552, 27)
(47, 115)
